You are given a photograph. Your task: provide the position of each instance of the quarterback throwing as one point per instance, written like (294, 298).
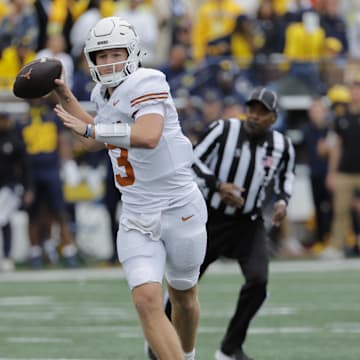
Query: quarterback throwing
(162, 226)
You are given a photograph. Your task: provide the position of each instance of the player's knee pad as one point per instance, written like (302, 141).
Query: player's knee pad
(140, 270)
(139, 276)
(183, 283)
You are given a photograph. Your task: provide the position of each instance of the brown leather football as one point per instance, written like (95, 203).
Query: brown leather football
(36, 79)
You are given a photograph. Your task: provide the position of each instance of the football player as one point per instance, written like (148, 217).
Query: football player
(162, 226)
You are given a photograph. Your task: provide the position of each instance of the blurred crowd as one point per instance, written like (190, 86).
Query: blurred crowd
(213, 52)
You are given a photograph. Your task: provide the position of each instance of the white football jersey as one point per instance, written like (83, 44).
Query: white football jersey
(149, 179)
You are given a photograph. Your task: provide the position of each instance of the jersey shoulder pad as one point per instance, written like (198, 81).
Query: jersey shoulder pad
(148, 87)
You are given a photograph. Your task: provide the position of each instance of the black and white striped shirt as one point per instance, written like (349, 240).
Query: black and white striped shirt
(227, 153)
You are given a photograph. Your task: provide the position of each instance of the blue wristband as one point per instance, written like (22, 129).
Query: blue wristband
(88, 131)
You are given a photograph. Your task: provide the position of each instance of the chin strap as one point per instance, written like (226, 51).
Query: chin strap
(114, 134)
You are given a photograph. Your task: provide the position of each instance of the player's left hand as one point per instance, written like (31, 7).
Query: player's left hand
(279, 212)
(70, 121)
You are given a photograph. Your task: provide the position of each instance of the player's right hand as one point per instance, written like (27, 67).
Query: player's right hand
(60, 83)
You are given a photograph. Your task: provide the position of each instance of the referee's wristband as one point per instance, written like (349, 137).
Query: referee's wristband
(87, 133)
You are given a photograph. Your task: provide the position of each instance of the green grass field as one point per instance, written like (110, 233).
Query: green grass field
(312, 313)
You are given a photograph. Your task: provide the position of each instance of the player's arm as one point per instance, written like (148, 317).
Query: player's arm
(144, 133)
(90, 144)
(69, 102)
(80, 128)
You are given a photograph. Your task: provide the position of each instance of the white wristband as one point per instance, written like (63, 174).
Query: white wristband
(114, 134)
(88, 130)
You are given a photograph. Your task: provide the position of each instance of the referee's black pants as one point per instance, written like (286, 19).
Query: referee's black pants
(243, 239)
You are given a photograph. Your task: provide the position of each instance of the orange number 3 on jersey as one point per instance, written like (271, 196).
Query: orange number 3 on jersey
(123, 161)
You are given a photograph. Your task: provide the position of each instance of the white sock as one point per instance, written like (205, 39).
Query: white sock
(69, 250)
(50, 249)
(190, 355)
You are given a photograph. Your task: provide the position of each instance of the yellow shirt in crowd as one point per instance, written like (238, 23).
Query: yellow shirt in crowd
(10, 65)
(215, 19)
(303, 46)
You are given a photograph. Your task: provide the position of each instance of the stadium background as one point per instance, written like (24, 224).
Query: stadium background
(195, 88)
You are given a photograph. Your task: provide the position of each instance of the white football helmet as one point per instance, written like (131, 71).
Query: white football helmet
(113, 33)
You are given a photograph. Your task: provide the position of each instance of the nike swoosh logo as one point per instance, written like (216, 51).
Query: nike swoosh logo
(186, 218)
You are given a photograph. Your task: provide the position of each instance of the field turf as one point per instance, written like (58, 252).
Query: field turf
(312, 313)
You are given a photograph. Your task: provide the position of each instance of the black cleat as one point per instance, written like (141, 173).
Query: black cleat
(238, 355)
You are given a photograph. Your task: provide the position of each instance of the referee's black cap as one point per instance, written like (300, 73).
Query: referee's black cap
(265, 96)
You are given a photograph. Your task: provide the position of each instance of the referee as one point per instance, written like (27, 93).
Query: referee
(235, 161)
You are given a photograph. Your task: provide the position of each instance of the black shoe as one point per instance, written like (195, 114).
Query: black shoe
(240, 355)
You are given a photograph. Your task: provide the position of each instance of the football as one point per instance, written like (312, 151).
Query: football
(36, 79)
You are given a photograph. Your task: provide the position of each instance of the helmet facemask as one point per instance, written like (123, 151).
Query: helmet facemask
(113, 33)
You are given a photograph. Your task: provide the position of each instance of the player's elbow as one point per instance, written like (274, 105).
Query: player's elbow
(91, 145)
(150, 141)
(147, 140)
(146, 131)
